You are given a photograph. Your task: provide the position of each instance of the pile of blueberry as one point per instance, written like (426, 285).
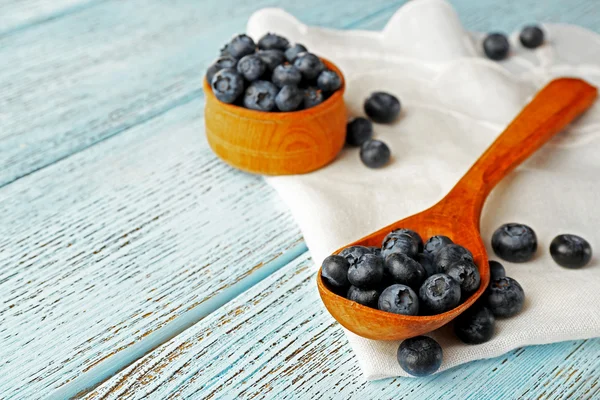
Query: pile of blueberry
(496, 45)
(270, 75)
(380, 107)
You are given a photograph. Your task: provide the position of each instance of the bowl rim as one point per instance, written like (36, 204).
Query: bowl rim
(278, 115)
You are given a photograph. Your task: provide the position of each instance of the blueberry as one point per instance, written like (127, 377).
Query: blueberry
(399, 299)
(514, 242)
(465, 272)
(382, 107)
(414, 235)
(439, 293)
(312, 97)
(496, 46)
(420, 356)
(570, 251)
(496, 270)
(334, 272)
(353, 253)
(292, 52)
(288, 98)
(366, 297)
(375, 250)
(221, 63)
(241, 46)
(505, 297)
(426, 260)
(531, 37)
(358, 131)
(224, 52)
(286, 75)
(227, 85)
(450, 254)
(251, 67)
(400, 268)
(271, 41)
(260, 96)
(476, 325)
(396, 242)
(309, 65)
(367, 272)
(329, 81)
(435, 243)
(374, 153)
(272, 58)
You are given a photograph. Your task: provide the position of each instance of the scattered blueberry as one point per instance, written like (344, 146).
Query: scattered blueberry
(309, 65)
(465, 272)
(374, 153)
(353, 253)
(496, 270)
(435, 243)
(399, 242)
(288, 98)
(260, 96)
(286, 75)
(329, 81)
(366, 297)
(420, 356)
(312, 97)
(570, 251)
(476, 325)
(505, 297)
(439, 293)
(271, 41)
(334, 272)
(426, 260)
(514, 242)
(272, 58)
(400, 268)
(358, 131)
(450, 254)
(227, 85)
(292, 52)
(399, 299)
(367, 272)
(241, 46)
(531, 37)
(221, 63)
(382, 107)
(496, 46)
(251, 67)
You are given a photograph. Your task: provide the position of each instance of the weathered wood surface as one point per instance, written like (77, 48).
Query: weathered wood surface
(276, 341)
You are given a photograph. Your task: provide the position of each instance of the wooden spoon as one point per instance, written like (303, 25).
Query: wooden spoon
(457, 215)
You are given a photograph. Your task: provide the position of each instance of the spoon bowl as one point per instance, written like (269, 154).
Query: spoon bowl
(458, 214)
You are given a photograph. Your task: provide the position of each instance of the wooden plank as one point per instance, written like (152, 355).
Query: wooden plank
(84, 78)
(145, 233)
(277, 341)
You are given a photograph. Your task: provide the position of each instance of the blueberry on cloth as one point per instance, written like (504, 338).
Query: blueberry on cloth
(496, 46)
(465, 272)
(260, 96)
(286, 75)
(309, 65)
(382, 107)
(420, 356)
(312, 97)
(399, 299)
(505, 297)
(374, 153)
(227, 85)
(292, 52)
(219, 64)
(241, 46)
(367, 272)
(271, 41)
(251, 67)
(514, 242)
(329, 81)
(450, 254)
(400, 268)
(570, 251)
(334, 271)
(358, 131)
(476, 325)
(366, 297)
(496, 270)
(435, 243)
(439, 293)
(532, 36)
(288, 98)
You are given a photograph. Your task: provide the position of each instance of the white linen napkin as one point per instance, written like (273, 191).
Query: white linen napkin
(455, 102)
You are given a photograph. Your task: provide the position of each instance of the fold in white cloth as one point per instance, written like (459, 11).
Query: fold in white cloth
(455, 102)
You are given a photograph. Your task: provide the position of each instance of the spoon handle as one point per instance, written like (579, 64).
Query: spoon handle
(550, 111)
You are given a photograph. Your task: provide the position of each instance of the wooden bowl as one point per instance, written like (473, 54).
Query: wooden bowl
(277, 143)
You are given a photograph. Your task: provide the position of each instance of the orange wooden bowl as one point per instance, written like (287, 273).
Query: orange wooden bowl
(277, 143)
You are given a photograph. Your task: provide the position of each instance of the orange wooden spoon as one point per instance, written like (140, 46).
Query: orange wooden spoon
(457, 215)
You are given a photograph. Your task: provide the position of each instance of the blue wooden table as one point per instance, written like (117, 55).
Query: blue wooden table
(135, 264)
